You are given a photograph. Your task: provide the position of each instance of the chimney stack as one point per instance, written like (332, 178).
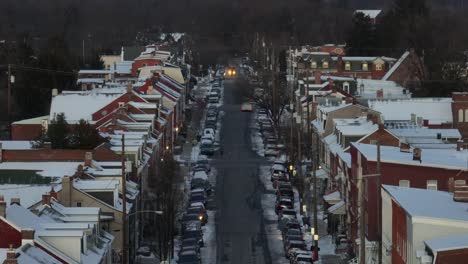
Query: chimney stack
(46, 199)
(417, 152)
(460, 145)
(88, 159)
(318, 77)
(10, 256)
(404, 147)
(53, 193)
(15, 201)
(2, 206)
(27, 234)
(460, 193)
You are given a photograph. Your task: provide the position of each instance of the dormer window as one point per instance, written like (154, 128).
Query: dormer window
(347, 66)
(365, 66)
(313, 65)
(378, 67)
(325, 64)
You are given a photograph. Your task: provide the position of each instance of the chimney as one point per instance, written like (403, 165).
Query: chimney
(67, 186)
(129, 88)
(339, 64)
(460, 145)
(404, 147)
(54, 92)
(46, 199)
(417, 152)
(47, 145)
(460, 193)
(53, 193)
(381, 127)
(15, 201)
(318, 77)
(380, 94)
(27, 234)
(10, 256)
(451, 185)
(2, 206)
(88, 159)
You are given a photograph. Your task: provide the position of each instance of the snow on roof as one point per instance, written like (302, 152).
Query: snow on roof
(336, 149)
(339, 208)
(142, 105)
(23, 218)
(80, 106)
(96, 184)
(29, 194)
(437, 158)
(331, 108)
(422, 132)
(90, 80)
(74, 210)
(428, 203)
(390, 88)
(141, 117)
(447, 243)
(436, 110)
(369, 12)
(30, 254)
(31, 121)
(45, 169)
(94, 72)
(355, 126)
(336, 78)
(395, 66)
(332, 197)
(16, 145)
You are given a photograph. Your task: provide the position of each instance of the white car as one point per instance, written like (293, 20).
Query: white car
(208, 131)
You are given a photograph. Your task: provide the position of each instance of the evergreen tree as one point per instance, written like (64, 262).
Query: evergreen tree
(84, 136)
(58, 131)
(361, 38)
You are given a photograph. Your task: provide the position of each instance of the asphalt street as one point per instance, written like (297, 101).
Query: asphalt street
(239, 221)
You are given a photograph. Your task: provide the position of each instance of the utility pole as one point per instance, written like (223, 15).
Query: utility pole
(9, 94)
(314, 174)
(124, 204)
(379, 204)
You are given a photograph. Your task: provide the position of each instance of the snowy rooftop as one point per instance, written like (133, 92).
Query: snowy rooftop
(45, 169)
(441, 206)
(335, 148)
(94, 72)
(31, 121)
(369, 12)
(80, 106)
(355, 127)
(28, 194)
(437, 158)
(96, 184)
(331, 108)
(396, 66)
(390, 89)
(143, 105)
(436, 110)
(447, 243)
(422, 132)
(16, 145)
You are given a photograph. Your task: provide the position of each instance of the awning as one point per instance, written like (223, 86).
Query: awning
(332, 198)
(338, 209)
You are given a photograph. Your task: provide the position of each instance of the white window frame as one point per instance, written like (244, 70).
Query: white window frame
(325, 65)
(431, 185)
(313, 65)
(460, 182)
(378, 67)
(404, 183)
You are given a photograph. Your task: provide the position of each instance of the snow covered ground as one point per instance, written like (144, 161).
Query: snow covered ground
(208, 252)
(256, 137)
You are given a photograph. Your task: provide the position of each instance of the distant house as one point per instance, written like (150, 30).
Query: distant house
(373, 14)
(423, 226)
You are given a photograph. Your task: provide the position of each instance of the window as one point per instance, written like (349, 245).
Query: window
(325, 64)
(365, 66)
(313, 65)
(378, 67)
(432, 185)
(78, 204)
(347, 66)
(460, 115)
(404, 183)
(466, 115)
(460, 182)
(373, 142)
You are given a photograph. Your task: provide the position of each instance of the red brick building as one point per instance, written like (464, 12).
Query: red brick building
(399, 166)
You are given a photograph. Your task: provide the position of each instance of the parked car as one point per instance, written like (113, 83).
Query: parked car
(201, 183)
(285, 193)
(291, 224)
(189, 257)
(277, 171)
(286, 214)
(284, 203)
(302, 258)
(292, 232)
(193, 230)
(200, 212)
(207, 148)
(288, 247)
